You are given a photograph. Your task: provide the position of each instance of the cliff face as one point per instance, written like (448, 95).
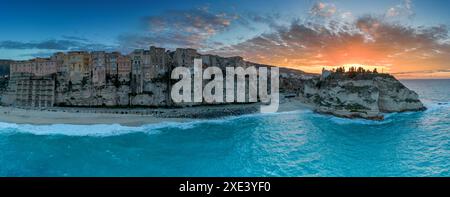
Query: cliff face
(147, 83)
(395, 97)
(154, 94)
(365, 96)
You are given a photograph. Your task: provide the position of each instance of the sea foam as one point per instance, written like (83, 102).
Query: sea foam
(105, 130)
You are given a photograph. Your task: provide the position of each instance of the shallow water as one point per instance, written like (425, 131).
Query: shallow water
(298, 143)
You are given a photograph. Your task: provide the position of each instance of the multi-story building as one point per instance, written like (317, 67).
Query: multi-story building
(59, 60)
(146, 66)
(185, 57)
(21, 67)
(78, 65)
(35, 91)
(158, 65)
(124, 68)
(44, 66)
(210, 60)
(37, 67)
(98, 66)
(112, 64)
(79, 78)
(137, 64)
(32, 83)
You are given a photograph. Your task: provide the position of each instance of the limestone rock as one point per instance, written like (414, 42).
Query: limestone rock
(366, 96)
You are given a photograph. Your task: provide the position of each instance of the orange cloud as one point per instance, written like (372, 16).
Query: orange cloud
(370, 41)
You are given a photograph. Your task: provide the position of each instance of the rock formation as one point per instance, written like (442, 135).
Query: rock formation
(366, 95)
(142, 78)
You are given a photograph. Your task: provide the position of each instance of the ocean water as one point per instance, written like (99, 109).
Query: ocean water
(297, 143)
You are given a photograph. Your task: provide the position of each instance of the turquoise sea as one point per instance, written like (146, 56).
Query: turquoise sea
(297, 143)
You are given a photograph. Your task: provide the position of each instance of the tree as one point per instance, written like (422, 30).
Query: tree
(375, 70)
(340, 70)
(360, 70)
(352, 70)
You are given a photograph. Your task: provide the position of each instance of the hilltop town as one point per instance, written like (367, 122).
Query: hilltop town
(141, 80)
(95, 79)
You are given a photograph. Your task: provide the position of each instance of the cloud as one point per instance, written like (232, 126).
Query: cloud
(368, 40)
(327, 36)
(199, 20)
(196, 28)
(440, 73)
(271, 20)
(404, 9)
(49, 44)
(322, 12)
(179, 28)
(169, 40)
(76, 38)
(54, 44)
(323, 9)
(37, 54)
(424, 72)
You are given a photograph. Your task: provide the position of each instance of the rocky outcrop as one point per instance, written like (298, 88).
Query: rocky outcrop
(395, 97)
(362, 96)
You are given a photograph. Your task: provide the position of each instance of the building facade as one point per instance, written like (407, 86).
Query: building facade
(99, 78)
(124, 68)
(35, 92)
(98, 66)
(112, 64)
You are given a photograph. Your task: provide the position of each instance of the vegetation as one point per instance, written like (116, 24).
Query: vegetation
(353, 70)
(355, 73)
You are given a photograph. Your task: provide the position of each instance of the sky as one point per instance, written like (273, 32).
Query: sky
(407, 38)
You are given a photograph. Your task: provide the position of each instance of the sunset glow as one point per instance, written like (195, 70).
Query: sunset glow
(401, 37)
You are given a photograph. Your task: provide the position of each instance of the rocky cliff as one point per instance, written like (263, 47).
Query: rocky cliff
(364, 95)
(148, 84)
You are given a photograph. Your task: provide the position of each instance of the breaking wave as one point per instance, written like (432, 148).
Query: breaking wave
(106, 130)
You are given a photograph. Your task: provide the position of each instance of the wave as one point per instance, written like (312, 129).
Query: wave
(100, 130)
(344, 121)
(431, 106)
(434, 106)
(106, 130)
(95, 130)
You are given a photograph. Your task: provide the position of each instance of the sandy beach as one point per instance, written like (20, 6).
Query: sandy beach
(134, 116)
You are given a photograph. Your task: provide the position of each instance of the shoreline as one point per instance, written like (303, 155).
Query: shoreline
(133, 116)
